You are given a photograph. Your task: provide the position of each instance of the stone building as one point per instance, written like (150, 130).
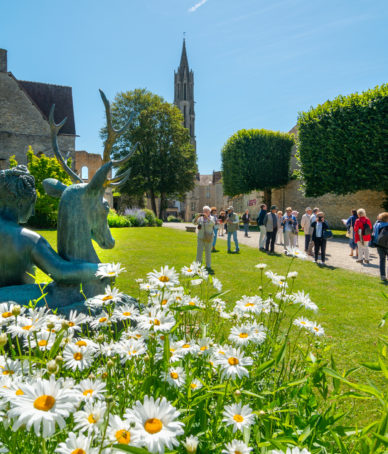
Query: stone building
(24, 111)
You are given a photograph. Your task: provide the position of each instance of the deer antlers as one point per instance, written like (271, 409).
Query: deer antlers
(113, 134)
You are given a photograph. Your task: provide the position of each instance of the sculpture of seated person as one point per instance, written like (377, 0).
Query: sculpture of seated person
(22, 249)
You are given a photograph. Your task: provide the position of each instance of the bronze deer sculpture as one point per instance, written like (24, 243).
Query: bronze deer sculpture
(83, 211)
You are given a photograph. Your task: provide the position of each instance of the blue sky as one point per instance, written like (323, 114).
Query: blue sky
(256, 63)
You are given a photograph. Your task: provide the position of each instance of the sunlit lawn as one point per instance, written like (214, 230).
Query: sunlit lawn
(350, 304)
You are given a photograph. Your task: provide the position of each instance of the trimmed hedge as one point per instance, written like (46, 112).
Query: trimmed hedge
(343, 144)
(133, 218)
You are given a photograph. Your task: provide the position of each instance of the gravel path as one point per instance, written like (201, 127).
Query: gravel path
(337, 251)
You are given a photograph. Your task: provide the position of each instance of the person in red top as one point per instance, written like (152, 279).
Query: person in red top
(362, 235)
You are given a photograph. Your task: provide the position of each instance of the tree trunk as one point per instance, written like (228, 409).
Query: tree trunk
(153, 202)
(268, 197)
(162, 206)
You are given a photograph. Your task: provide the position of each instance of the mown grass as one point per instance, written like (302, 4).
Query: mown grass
(350, 304)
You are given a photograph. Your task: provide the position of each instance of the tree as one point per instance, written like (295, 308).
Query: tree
(256, 160)
(164, 163)
(343, 144)
(46, 207)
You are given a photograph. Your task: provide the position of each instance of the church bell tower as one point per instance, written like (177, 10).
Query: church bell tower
(184, 93)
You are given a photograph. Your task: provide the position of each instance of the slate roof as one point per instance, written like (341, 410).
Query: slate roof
(45, 95)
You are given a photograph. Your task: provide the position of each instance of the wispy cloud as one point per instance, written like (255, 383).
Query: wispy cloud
(197, 5)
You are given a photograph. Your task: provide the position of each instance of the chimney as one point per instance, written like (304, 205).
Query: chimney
(3, 61)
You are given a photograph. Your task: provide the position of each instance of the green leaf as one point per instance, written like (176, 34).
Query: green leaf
(131, 449)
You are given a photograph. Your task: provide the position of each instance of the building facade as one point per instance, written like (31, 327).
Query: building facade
(24, 111)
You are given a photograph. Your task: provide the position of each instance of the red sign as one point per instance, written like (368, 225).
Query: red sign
(251, 202)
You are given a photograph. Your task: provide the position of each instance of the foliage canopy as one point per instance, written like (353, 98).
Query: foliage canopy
(164, 163)
(256, 160)
(42, 167)
(343, 144)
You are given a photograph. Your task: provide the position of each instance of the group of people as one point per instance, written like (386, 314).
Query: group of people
(278, 228)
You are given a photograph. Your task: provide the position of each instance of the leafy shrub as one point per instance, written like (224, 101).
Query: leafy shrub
(173, 219)
(142, 218)
(115, 220)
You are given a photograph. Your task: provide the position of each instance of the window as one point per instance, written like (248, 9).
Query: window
(208, 193)
(192, 206)
(85, 173)
(185, 114)
(184, 92)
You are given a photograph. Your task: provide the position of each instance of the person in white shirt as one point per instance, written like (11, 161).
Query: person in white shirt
(205, 235)
(311, 244)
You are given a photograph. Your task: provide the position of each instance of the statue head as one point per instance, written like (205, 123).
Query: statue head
(17, 194)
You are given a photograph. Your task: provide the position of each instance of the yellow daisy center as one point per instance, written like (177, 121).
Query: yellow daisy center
(111, 273)
(153, 425)
(316, 328)
(8, 372)
(243, 335)
(107, 298)
(71, 323)
(193, 385)
(249, 305)
(189, 270)
(92, 419)
(192, 303)
(19, 392)
(6, 314)
(126, 314)
(238, 418)
(42, 343)
(164, 279)
(174, 375)
(302, 322)
(78, 356)
(186, 346)
(164, 302)
(78, 451)
(233, 361)
(44, 403)
(102, 319)
(203, 348)
(123, 437)
(88, 392)
(27, 327)
(237, 452)
(156, 322)
(81, 344)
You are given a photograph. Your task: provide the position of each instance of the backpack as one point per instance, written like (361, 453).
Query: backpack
(382, 238)
(366, 230)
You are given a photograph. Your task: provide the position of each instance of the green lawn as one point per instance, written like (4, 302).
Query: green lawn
(350, 304)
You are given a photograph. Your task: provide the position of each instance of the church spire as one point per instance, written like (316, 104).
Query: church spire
(184, 93)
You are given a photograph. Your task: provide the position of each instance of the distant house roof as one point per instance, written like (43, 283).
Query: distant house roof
(205, 180)
(45, 95)
(294, 130)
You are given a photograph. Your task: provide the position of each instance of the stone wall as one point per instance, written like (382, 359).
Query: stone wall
(22, 124)
(89, 160)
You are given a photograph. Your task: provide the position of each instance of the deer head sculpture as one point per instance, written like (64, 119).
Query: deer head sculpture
(83, 211)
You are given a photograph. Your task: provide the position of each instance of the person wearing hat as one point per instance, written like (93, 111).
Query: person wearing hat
(232, 222)
(205, 225)
(306, 223)
(271, 226)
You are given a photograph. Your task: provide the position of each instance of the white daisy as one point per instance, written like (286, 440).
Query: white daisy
(291, 451)
(241, 335)
(196, 282)
(44, 341)
(191, 444)
(236, 447)
(91, 418)
(238, 416)
(195, 384)
(156, 320)
(295, 252)
(112, 295)
(101, 320)
(76, 444)
(261, 266)
(175, 376)
(189, 271)
(304, 300)
(302, 322)
(25, 326)
(130, 348)
(188, 347)
(317, 329)
(110, 270)
(292, 275)
(44, 404)
(233, 363)
(156, 424)
(166, 277)
(77, 357)
(91, 389)
(7, 312)
(120, 431)
(216, 283)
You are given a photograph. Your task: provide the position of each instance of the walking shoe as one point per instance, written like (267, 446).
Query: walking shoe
(383, 278)
(359, 261)
(229, 251)
(237, 251)
(209, 270)
(214, 250)
(367, 262)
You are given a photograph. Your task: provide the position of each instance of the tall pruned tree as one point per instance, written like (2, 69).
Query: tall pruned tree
(343, 144)
(164, 164)
(256, 160)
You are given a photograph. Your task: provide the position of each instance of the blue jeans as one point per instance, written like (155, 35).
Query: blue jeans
(246, 228)
(215, 234)
(383, 255)
(234, 239)
(307, 238)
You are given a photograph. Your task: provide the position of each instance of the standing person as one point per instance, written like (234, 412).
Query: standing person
(213, 214)
(296, 237)
(260, 223)
(271, 225)
(289, 224)
(380, 239)
(246, 217)
(205, 236)
(311, 244)
(306, 224)
(362, 236)
(319, 226)
(280, 227)
(232, 221)
(351, 231)
(221, 220)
